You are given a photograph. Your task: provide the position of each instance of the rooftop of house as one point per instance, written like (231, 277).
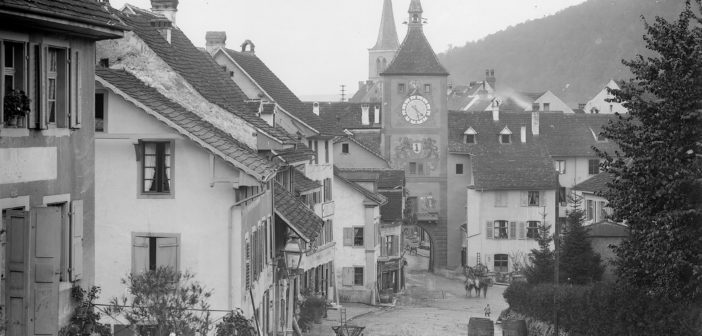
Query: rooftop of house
(186, 122)
(596, 183)
(297, 215)
(302, 184)
(607, 229)
(370, 195)
(199, 70)
(348, 115)
(385, 179)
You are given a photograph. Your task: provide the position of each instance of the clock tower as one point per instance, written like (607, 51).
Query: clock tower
(415, 129)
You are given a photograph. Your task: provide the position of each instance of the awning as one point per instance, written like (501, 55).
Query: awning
(296, 215)
(390, 265)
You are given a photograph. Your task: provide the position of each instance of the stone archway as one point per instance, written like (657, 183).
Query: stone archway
(433, 234)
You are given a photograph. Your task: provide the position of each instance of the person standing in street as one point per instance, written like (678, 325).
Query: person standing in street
(487, 310)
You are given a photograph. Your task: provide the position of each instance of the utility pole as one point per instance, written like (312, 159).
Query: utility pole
(343, 92)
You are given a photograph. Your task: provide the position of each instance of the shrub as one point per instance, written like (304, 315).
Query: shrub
(234, 323)
(85, 319)
(605, 309)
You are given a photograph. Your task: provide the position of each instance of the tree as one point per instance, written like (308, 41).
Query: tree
(542, 259)
(657, 172)
(578, 263)
(164, 301)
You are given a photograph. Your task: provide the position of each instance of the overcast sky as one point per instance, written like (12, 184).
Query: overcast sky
(314, 46)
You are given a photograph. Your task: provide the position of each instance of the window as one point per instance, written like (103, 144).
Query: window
(420, 169)
(316, 152)
(603, 210)
(327, 233)
(327, 189)
(389, 246)
(57, 87)
(459, 168)
(562, 199)
(505, 138)
(413, 168)
(533, 229)
(344, 148)
(427, 88)
(352, 276)
(157, 163)
(547, 107)
(501, 262)
(561, 166)
(99, 112)
(326, 151)
(469, 138)
(501, 198)
(150, 251)
(593, 166)
(533, 198)
(358, 276)
(401, 88)
(358, 236)
(14, 71)
(589, 210)
(501, 229)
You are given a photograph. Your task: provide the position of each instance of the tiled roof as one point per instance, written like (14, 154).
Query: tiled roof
(200, 71)
(570, 134)
(596, 183)
(415, 57)
(392, 210)
(297, 215)
(87, 11)
(186, 121)
(375, 197)
(370, 140)
(385, 179)
(607, 229)
(302, 183)
(280, 93)
(295, 154)
(347, 115)
(387, 36)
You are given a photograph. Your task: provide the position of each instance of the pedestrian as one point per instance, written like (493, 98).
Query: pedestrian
(487, 310)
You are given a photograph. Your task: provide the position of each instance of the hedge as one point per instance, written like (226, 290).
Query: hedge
(605, 309)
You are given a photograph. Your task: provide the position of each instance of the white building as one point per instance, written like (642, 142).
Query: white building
(600, 104)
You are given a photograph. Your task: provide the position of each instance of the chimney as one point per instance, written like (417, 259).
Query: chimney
(365, 117)
(163, 26)
(535, 123)
(315, 108)
(376, 114)
(490, 77)
(522, 134)
(495, 107)
(251, 46)
(360, 84)
(167, 8)
(215, 40)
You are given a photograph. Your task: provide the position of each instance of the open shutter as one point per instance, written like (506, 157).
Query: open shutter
(46, 252)
(512, 230)
(167, 252)
(17, 226)
(395, 246)
(348, 236)
(488, 229)
(42, 52)
(523, 198)
(347, 276)
(76, 261)
(140, 254)
(383, 248)
(75, 92)
(522, 230)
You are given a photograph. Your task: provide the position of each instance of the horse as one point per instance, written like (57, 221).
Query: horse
(476, 278)
(469, 285)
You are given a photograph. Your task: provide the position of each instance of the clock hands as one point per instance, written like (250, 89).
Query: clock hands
(416, 110)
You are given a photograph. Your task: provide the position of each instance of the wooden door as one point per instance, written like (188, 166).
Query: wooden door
(45, 253)
(17, 284)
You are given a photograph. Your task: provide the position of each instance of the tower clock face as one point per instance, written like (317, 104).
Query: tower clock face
(416, 109)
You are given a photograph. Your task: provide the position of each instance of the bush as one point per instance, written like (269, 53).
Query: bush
(234, 323)
(605, 309)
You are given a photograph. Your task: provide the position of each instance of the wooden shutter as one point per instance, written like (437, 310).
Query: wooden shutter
(522, 230)
(523, 198)
(42, 52)
(16, 299)
(140, 254)
(347, 276)
(489, 230)
(46, 252)
(393, 250)
(76, 261)
(384, 247)
(167, 252)
(512, 230)
(75, 87)
(348, 236)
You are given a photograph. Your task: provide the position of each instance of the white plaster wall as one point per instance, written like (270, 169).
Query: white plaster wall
(576, 171)
(599, 101)
(481, 208)
(349, 213)
(357, 157)
(555, 103)
(456, 203)
(199, 213)
(240, 78)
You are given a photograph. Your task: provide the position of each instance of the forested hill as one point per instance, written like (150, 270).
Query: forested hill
(573, 53)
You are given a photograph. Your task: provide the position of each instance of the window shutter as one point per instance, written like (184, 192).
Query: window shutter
(512, 230)
(384, 248)
(76, 262)
(75, 91)
(167, 252)
(140, 254)
(17, 225)
(42, 52)
(523, 198)
(254, 255)
(45, 264)
(542, 200)
(347, 276)
(489, 230)
(348, 236)
(522, 230)
(393, 251)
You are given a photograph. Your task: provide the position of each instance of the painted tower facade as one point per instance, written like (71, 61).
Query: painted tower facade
(415, 130)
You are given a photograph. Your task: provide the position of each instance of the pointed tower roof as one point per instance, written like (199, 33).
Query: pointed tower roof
(387, 36)
(415, 56)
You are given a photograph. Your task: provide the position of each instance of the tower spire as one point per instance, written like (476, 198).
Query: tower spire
(387, 35)
(415, 14)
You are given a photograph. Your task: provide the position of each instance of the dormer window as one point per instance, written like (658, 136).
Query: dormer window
(505, 136)
(469, 136)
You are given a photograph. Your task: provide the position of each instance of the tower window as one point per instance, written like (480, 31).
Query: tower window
(401, 88)
(427, 88)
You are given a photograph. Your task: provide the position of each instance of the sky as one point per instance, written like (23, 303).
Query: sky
(314, 46)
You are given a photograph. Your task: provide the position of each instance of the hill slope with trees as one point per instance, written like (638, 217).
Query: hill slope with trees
(573, 53)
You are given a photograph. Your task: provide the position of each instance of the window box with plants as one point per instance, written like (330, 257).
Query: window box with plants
(15, 109)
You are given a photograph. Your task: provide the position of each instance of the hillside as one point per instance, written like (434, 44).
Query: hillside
(573, 53)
